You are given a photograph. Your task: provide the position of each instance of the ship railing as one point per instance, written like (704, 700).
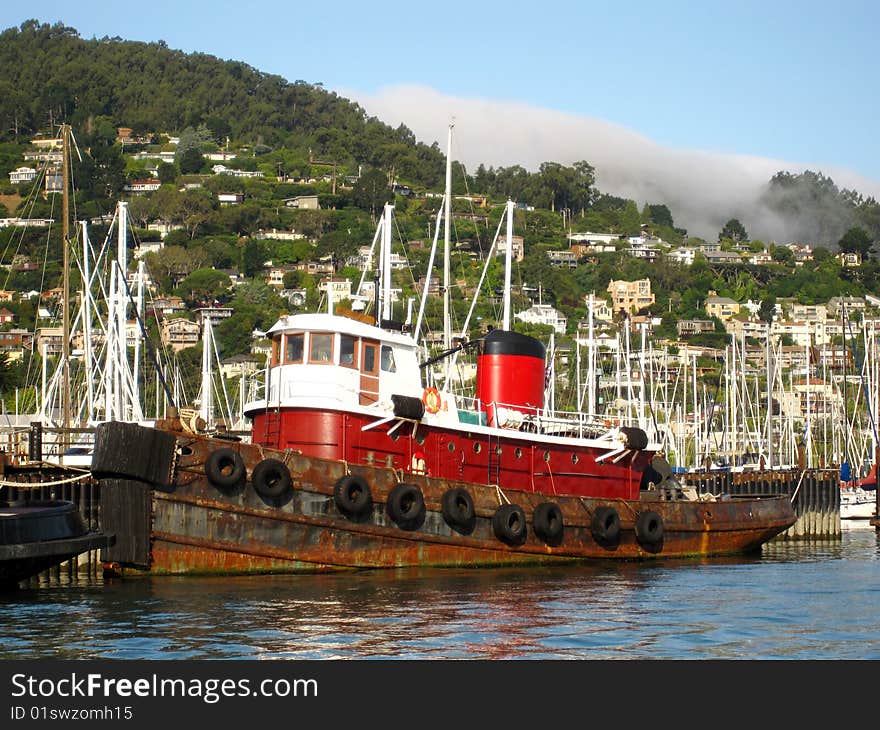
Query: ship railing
(551, 422)
(37, 443)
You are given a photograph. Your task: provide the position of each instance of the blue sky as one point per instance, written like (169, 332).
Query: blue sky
(773, 84)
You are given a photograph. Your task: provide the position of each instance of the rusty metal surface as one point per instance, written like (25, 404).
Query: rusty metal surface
(197, 527)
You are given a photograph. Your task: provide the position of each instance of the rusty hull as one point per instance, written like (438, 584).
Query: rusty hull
(196, 528)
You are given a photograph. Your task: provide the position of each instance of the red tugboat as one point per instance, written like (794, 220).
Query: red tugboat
(356, 461)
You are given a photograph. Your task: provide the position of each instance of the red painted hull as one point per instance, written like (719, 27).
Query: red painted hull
(510, 461)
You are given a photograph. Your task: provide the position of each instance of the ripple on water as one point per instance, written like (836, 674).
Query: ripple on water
(794, 601)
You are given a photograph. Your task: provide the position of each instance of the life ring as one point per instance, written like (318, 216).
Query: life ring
(605, 525)
(548, 523)
(352, 497)
(225, 469)
(458, 510)
(432, 400)
(649, 529)
(509, 524)
(271, 479)
(406, 506)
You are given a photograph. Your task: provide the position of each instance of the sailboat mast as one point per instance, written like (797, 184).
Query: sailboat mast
(65, 245)
(87, 327)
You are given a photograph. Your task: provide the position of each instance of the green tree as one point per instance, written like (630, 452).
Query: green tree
(767, 310)
(254, 257)
(371, 191)
(733, 230)
(191, 161)
(856, 240)
(203, 286)
(168, 172)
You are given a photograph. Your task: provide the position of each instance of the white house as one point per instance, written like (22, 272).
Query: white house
(223, 170)
(682, 255)
(543, 314)
(22, 175)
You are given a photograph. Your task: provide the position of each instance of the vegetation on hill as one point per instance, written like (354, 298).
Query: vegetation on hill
(307, 141)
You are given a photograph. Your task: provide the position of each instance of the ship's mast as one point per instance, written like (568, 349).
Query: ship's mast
(507, 264)
(447, 199)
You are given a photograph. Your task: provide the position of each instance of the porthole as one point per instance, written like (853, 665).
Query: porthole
(498, 450)
(477, 447)
(574, 459)
(547, 456)
(451, 446)
(517, 452)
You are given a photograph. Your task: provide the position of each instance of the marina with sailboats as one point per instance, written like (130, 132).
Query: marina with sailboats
(462, 455)
(395, 462)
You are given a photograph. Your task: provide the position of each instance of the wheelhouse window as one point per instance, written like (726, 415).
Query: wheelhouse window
(348, 351)
(276, 348)
(388, 365)
(293, 348)
(370, 364)
(321, 348)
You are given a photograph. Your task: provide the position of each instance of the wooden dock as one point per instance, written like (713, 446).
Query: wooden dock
(814, 494)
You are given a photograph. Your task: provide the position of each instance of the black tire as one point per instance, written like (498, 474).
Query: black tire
(225, 469)
(406, 506)
(649, 529)
(271, 479)
(605, 525)
(548, 523)
(635, 437)
(352, 497)
(509, 524)
(458, 510)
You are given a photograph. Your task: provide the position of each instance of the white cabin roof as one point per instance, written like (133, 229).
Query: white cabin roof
(342, 325)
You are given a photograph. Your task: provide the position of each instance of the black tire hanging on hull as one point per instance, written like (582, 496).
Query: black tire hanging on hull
(605, 525)
(649, 530)
(271, 480)
(458, 510)
(548, 523)
(406, 506)
(352, 497)
(225, 469)
(509, 524)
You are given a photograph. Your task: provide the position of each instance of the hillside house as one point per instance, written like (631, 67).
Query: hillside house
(238, 365)
(337, 288)
(722, 307)
(544, 314)
(230, 198)
(683, 255)
(303, 202)
(180, 333)
(689, 327)
(630, 296)
(140, 187)
(22, 175)
(563, 259)
(723, 257)
(517, 248)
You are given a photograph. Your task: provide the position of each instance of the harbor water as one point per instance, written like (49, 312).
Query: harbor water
(796, 600)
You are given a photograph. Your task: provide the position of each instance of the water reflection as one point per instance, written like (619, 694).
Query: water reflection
(795, 600)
